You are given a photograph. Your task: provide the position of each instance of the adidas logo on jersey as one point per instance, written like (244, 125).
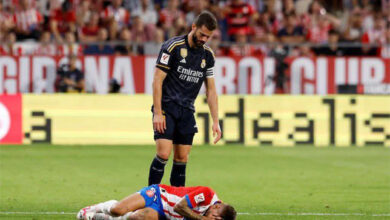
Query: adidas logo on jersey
(183, 61)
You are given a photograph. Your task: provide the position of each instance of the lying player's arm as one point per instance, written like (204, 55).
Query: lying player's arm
(212, 100)
(158, 118)
(185, 211)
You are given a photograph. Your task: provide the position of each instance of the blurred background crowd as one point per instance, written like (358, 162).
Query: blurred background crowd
(246, 27)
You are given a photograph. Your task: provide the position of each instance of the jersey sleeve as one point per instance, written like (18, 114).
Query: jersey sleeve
(164, 58)
(210, 65)
(203, 196)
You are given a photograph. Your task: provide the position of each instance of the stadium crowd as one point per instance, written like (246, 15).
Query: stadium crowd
(246, 27)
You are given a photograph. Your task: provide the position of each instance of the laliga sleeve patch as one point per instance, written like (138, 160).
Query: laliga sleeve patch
(164, 58)
(199, 198)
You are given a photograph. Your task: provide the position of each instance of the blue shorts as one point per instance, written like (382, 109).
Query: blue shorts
(180, 122)
(152, 198)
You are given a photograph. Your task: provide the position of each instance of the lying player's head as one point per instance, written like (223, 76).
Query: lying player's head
(203, 28)
(223, 210)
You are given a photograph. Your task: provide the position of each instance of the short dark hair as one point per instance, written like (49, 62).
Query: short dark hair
(207, 19)
(228, 213)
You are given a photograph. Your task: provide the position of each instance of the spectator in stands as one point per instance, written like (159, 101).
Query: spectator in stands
(385, 6)
(260, 19)
(317, 15)
(70, 46)
(138, 32)
(262, 27)
(376, 35)
(83, 13)
(101, 47)
(367, 6)
(292, 32)
(46, 7)
(153, 47)
(146, 12)
(45, 46)
(305, 50)
(181, 27)
(115, 18)
(69, 77)
(332, 48)
(353, 32)
(239, 17)
(28, 21)
(148, 15)
(288, 7)
(198, 7)
(63, 20)
(131, 5)
(89, 32)
(6, 21)
(354, 29)
(168, 15)
(385, 49)
(125, 47)
(319, 33)
(215, 44)
(9, 44)
(241, 46)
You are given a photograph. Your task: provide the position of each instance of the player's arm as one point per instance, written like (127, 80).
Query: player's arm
(184, 210)
(158, 118)
(212, 100)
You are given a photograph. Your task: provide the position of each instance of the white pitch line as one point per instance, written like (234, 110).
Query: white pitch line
(242, 213)
(37, 213)
(313, 214)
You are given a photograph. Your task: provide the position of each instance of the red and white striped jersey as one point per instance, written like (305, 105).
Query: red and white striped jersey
(199, 199)
(28, 20)
(238, 18)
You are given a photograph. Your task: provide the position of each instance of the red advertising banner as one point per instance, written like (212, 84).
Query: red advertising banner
(10, 119)
(234, 75)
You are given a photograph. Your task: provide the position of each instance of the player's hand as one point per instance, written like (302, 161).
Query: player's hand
(217, 133)
(159, 123)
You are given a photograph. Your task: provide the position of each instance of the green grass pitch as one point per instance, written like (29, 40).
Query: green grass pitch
(262, 183)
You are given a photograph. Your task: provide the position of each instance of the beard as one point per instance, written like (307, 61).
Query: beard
(198, 43)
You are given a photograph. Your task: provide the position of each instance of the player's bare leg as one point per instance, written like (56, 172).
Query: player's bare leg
(180, 159)
(128, 204)
(122, 210)
(144, 214)
(163, 148)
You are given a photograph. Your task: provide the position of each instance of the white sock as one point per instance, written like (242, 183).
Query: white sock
(104, 207)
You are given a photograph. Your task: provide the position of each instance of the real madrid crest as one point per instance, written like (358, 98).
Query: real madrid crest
(183, 53)
(203, 64)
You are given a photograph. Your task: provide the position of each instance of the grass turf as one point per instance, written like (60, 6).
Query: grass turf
(48, 178)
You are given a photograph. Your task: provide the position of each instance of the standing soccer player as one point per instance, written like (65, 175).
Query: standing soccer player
(184, 63)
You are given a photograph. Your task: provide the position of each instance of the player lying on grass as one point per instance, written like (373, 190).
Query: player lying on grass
(157, 202)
